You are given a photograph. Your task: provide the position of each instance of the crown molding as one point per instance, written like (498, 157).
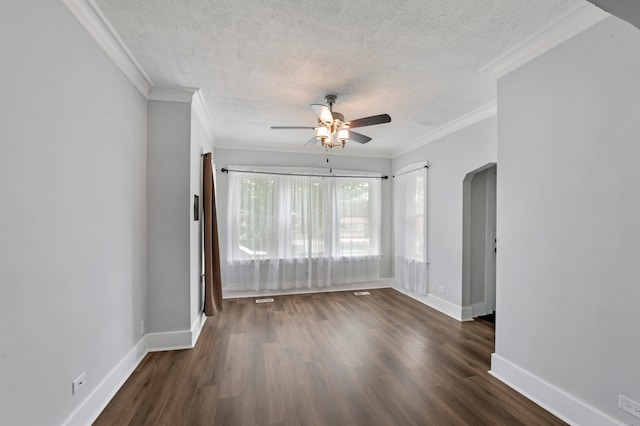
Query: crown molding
(452, 126)
(201, 110)
(172, 94)
(574, 22)
(97, 25)
(91, 17)
(187, 95)
(244, 146)
(94, 21)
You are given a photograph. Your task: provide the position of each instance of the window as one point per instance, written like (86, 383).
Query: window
(410, 228)
(307, 217)
(356, 213)
(419, 219)
(256, 216)
(295, 217)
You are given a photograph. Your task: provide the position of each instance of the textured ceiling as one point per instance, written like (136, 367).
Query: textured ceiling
(262, 62)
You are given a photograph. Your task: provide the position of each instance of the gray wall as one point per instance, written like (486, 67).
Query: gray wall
(480, 188)
(568, 209)
(174, 175)
(629, 10)
(169, 216)
(226, 157)
(450, 159)
(200, 143)
(72, 215)
(478, 236)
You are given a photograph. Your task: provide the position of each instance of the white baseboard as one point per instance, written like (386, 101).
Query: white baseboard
(381, 283)
(556, 401)
(176, 340)
(94, 403)
(478, 309)
(467, 313)
(197, 328)
(474, 311)
(451, 309)
(169, 341)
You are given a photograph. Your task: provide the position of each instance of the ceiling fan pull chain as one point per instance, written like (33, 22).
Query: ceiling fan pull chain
(329, 161)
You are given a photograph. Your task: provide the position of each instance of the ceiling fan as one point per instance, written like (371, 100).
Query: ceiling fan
(332, 130)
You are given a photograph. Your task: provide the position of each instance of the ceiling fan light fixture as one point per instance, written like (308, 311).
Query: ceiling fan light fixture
(322, 133)
(332, 130)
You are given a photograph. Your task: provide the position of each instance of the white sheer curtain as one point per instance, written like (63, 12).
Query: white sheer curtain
(410, 228)
(288, 231)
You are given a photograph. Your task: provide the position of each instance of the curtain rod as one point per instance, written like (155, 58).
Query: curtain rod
(224, 170)
(412, 170)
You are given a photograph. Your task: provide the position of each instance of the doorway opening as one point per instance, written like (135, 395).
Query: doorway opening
(479, 243)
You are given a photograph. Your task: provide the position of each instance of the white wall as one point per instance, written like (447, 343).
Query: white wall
(450, 159)
(226, 157)
(568, 228)
(72, 212)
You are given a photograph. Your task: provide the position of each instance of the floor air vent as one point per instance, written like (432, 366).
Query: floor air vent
(269, 300)
(361, 293)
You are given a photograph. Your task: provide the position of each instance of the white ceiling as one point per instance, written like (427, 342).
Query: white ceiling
(262, 62)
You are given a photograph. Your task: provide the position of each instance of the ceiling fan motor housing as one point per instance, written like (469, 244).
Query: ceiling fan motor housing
(331, 99)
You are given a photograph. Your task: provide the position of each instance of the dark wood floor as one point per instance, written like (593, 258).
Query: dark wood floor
(326, 359)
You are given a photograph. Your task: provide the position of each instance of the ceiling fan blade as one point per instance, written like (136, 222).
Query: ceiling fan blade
(312, 141)
(358, 137)
(369, 121)
(291, 127)
(323, 112)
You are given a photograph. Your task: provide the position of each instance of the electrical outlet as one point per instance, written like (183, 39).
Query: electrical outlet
(441, 289)
(141, 327)
(78, 383)
(629, 406)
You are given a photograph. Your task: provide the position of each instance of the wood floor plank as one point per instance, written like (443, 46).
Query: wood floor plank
(204, 404)
(278, 383)
(229, 411)
(235, 378)
(326, 359)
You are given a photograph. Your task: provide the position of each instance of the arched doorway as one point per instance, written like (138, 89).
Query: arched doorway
(479, 243)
